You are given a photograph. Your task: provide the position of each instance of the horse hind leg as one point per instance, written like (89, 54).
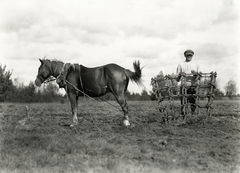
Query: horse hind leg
(125, 110)
(123, 103)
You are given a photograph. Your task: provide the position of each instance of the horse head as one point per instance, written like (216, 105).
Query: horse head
(44, 72)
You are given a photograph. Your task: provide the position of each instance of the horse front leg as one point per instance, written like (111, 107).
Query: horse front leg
(74, 103)
(126, 120)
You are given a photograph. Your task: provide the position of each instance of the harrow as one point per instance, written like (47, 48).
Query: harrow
(171, 89)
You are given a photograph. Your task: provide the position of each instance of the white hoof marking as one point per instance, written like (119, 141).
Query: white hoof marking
(126, 123)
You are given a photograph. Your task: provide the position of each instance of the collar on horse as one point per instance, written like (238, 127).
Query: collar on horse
(65, 70)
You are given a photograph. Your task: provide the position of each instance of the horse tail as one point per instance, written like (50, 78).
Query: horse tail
(137, 74)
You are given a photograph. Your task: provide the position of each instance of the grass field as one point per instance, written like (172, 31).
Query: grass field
(43, 142)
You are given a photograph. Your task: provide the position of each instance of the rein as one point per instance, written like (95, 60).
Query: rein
(90, 96)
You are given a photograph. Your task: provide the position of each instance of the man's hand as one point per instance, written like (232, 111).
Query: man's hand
(193, 72)
(180, 76)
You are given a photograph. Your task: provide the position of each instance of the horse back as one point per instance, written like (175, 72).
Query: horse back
(106, 72)
(96, 81)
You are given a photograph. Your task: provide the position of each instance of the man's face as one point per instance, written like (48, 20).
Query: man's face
(188, 57)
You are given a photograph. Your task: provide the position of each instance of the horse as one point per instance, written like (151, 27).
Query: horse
(79, 80)
(94, 82)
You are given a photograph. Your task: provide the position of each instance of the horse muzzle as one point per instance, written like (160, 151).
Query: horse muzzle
(38, 82)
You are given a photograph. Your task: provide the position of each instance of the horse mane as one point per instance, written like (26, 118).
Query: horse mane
(53, 65)
(74, 67)
(49, 62)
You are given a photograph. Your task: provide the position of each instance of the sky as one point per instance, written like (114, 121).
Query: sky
(95, 33)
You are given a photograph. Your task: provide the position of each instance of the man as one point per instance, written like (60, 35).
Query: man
(188, 67)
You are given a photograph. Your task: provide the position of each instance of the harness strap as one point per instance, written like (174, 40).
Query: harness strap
(62, 70)
(64, 75)
(80, 76)
(84, 94)
(90, 96)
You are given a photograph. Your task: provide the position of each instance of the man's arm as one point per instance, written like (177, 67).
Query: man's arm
(197, 67)
(179, 69)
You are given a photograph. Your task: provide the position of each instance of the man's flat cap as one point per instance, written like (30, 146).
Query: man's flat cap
(188, 52)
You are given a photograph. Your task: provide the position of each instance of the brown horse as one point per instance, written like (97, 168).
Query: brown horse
(95, 82)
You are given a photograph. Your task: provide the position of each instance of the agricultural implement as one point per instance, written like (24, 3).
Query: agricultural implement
(169, 90)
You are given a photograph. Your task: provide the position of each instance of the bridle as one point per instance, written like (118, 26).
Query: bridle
(49, 79)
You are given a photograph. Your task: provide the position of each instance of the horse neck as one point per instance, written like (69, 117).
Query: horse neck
(56, 67)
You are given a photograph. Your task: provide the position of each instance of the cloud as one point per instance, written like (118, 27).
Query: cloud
(95, 33)
(214, 50)
(91, 23)
(228, 13)
(142, 47)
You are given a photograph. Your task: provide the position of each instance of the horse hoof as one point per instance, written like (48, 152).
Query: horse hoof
(126, 123)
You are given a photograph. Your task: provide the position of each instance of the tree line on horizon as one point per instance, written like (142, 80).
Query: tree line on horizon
(15, 91)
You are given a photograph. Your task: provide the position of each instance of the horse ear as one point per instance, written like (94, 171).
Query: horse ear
(41, 61)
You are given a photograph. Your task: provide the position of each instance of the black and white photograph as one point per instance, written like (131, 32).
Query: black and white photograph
(119, 86)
